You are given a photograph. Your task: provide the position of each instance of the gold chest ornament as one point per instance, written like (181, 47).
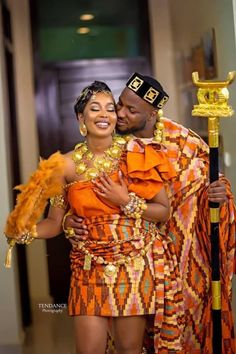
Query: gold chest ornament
(83, 158)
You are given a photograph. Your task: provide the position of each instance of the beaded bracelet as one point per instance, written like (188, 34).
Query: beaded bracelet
(59, 201)
(25, 239)
(135, 207)
(28, 236)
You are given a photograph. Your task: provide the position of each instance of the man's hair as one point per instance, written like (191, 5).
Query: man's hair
(86, 94)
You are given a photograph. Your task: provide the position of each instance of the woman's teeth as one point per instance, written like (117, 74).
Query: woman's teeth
(102, 125)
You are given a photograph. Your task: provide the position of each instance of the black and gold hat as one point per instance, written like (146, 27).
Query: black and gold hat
(149, 89)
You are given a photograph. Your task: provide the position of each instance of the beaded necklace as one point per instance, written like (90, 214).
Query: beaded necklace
(108, 162)
(159, 131)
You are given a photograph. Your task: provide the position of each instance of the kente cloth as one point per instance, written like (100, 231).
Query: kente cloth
(189, 226)
(130, 291)
(151, 288)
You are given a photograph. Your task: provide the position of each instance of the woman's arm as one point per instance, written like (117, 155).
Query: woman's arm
(52, 225)
(158, 208)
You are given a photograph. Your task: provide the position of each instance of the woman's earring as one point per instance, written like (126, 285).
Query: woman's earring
(83, 129)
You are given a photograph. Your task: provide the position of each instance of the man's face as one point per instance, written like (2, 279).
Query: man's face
(132, 113)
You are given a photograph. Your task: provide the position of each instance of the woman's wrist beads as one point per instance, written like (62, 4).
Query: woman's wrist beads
(135, 207)
(28, 236)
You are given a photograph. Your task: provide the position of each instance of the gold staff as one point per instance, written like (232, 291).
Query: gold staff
(213, 99)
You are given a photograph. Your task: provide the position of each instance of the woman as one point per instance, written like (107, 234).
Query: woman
(107, 180)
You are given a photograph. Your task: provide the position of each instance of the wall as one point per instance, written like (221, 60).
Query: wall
(27, 129)
(10, 327)
(189, 20)
(163, 53)
(177, 27)
(10, 324)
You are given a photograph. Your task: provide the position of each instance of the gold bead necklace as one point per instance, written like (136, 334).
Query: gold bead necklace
(83, 157)
(159, 131)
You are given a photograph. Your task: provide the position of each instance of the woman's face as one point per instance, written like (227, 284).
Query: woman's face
(99, 115)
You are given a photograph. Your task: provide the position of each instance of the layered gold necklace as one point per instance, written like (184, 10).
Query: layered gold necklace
(91, 166)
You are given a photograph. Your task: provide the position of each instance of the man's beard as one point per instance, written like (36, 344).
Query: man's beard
(131, 130)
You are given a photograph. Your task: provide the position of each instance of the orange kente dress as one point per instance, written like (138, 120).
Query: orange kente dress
(133, 287)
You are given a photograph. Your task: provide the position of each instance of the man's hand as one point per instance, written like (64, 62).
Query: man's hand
(76, 223)
(217, 192)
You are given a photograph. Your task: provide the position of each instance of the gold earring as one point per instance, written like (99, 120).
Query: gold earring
(83, 130)
(159, 131)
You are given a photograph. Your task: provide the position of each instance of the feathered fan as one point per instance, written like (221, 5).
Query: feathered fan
(31, 202)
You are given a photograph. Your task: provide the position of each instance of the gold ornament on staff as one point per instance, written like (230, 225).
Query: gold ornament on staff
(213, 99)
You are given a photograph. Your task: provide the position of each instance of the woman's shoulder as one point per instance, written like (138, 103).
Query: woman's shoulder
(68, 155)
(69, 163)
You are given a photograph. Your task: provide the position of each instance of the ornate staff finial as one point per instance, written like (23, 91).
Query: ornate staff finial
(213, 97)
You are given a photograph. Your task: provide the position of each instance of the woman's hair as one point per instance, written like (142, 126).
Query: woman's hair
(86, 94)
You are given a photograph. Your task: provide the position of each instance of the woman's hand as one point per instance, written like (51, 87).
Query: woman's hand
(115, 193)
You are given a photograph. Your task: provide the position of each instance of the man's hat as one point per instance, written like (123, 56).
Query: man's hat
(149, 89)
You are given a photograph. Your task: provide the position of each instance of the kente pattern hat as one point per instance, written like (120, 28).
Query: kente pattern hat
(149, 89)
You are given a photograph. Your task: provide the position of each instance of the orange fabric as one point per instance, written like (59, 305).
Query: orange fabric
(154, 287)
(227, 234)
(92, 293)
(188, 226)
(145, 169)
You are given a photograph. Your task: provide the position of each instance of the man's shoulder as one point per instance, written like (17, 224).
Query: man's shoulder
(171, 125)
(176, 133)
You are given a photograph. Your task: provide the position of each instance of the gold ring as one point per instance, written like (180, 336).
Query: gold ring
(69, 232)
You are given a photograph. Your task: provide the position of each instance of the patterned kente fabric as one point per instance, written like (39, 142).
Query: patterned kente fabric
(152, 287)
(189, 228)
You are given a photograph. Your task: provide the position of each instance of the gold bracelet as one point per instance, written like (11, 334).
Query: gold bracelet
(135, 208)
(28, 236)
(59, 201)
(25, 239)
(69, 232)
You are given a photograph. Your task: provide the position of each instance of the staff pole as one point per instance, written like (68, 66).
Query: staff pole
(213, 103)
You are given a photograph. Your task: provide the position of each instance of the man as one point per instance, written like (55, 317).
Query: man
(139, 113)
